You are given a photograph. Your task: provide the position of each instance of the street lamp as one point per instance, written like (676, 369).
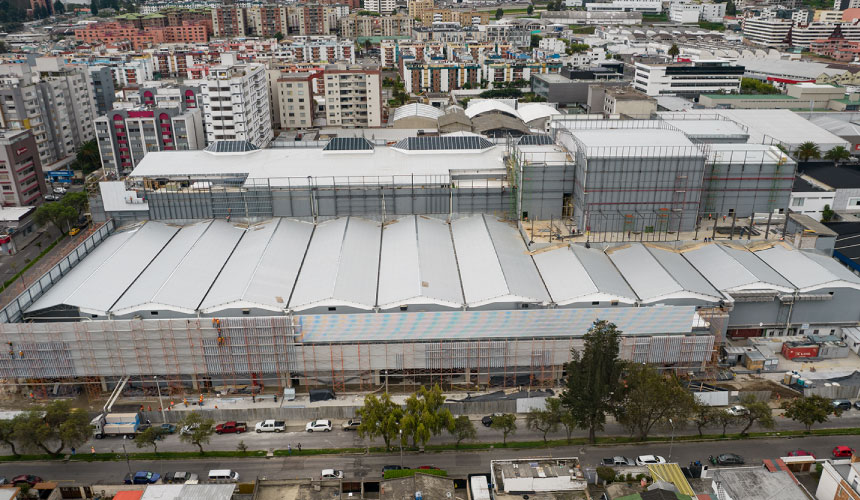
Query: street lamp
(400, 433)
(671, 440)
(127, 462)
(160, 402)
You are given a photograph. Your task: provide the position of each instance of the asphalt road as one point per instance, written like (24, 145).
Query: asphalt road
(456, 463)
(342, 439)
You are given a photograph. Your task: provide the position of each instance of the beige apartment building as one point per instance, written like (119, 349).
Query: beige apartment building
(295, 96)
(353, 96)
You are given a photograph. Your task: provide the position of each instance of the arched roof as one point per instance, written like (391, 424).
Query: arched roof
(536, 110)
(417, 109)
(488, 106)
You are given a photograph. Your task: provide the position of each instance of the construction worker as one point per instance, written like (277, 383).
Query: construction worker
(185, 402)
(93, 450)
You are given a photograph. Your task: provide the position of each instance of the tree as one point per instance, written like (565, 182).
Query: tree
(530, 9)
(592, 385)
(731, 9)
(546, 420)
(77, 201)
(724, 419)
(674, 51)
(827, 214)
(569, 424)
(809, 410)
(499, 13)
(753, 86)
(380, 417)
(87, 159)
(94, 7)
(535, 41)
(59, 7)
(757, 412)
(56, 213)
(425, 416)
(506, 423)
(463, 429)
(705, 416)
(8, 435)
(200, 429)
(606, 474)
(808, 150)
(149, 437)
(838, 154)
(651, 399)
(56, 424)
(242, 447)
(279, 36)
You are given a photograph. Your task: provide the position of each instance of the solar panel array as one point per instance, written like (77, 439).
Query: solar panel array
(535, 140)
(444, 143)
(231, 147)
(348, 144)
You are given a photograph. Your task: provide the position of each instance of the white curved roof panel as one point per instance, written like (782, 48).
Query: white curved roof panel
(417, 109)
(535, 111)
(476, 108)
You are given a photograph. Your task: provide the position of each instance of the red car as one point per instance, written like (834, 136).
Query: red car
(842, 452)
(800, 453)
(231, 428)
(26, 478)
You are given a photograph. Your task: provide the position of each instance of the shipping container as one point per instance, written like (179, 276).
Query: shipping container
(793, 351)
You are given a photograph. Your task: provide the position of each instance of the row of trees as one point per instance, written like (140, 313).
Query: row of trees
(50, 429)
(64, 213)
(810, 151)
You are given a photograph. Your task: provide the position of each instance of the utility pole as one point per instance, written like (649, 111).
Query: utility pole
(160, 402)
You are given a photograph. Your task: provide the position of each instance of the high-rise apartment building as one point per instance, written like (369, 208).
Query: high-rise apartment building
(381, 6)
(417, 8)
(103, 88)
(54, 100)
(267, 20)
(295, 96)
(229, 21)
(22, 182)
(355, 25)
(236, 102)
(128, 132)
(767, 32)
(353, 96)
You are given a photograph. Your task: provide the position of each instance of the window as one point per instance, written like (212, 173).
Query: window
(797, 202)
(853, 203)
(332, 308)
(153, 313)
(595, 303)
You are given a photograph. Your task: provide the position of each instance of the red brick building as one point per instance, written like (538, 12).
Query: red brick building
(113, 32)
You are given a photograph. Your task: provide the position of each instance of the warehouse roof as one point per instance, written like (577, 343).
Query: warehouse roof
(575, 274)
(734, 269)
(658, 274)
(745, 154)
(629, 142)
(807, 271)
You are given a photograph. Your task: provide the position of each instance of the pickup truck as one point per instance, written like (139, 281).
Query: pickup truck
(618, 461)
(231, 428)
(270, 426)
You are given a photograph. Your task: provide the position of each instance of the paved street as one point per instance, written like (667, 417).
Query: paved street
(457, 463)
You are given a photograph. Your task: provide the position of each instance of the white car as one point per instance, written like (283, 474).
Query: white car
(332, 474)
(738, 410)
(649, 460)
(319, 426)
(270, 426)
(59, 190)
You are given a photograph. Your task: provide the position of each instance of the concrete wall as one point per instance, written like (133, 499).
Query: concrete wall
(543, 188)
(837, 392)
(840, 201)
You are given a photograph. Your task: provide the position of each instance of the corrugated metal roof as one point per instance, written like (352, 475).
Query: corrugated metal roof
(569, 279)
(520, 271)
(188, 492)
(262, 270)
(683, 272)
(727, 270)
(180, 276)
(418, 264)
(341, 266)
(806, 271)
(652, 278)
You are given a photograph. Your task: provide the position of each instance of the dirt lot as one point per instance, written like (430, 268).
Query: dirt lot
(746, 384)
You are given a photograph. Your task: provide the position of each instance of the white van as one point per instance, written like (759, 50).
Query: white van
(223, 476)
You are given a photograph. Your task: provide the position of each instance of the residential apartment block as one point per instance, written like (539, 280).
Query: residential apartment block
(295, 96)
(128, 132)
(54, 100)
(229, 21)
(113, 32)
(767, 32)
(236, 102)
(355, 25)
(688, 79)
(22, 182)
(353, 96)
(381, 6)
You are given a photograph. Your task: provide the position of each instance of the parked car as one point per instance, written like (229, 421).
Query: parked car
(391, 467)
(74, 231)
(841, 404)
(488, 420)
(730, 459)
(180, 478)
(142, 477)
(168, 428)
(52, 197)
(318, 426)
(843, 452)
(800, 453)
(332, 474)
(351, 424)
(619, 461)
(270, 426)
(738, 410)
(59, 190)
(3, 480)
(26, 478)
(231, 428)
(649, 460)
(857, 404)
(188, 429)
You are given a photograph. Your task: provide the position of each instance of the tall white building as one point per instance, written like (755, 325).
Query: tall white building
(767, 32)
(353, 97)
(381, 6)
(644, 6)
(713, 12)
(688, 79)
(236, 102)
(53, 99)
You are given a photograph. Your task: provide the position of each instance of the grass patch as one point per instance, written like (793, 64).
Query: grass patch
(395, 474)
(655, 17)
(32, 262)
(582, 30)
(707, 25)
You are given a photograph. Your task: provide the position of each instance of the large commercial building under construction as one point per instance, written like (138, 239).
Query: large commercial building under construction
(354, 263)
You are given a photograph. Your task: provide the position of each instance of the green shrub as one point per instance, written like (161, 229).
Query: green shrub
(394, 474)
